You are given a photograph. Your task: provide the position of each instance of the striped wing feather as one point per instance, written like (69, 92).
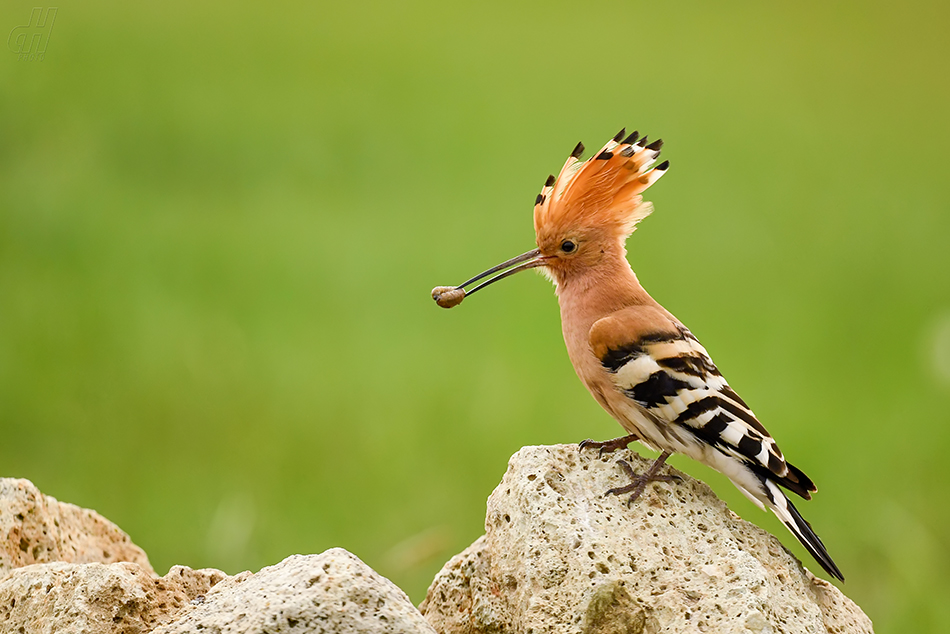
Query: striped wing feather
(660, 365)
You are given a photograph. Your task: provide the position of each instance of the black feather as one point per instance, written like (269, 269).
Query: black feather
(813, 545)
(632, 138)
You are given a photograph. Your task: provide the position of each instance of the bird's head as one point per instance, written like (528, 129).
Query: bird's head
(584, 214)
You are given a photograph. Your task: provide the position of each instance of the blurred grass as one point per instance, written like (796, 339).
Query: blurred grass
(219, 225)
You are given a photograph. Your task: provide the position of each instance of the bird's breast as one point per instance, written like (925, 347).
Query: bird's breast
(575, 326)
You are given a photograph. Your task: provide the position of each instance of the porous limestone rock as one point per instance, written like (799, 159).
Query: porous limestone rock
(35, 528)
(333, 592)
(559, 556)
(66, 598)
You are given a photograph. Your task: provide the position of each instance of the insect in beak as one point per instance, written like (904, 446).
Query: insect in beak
(450, 296)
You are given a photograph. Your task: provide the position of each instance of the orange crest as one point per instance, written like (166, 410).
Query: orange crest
(601, 192)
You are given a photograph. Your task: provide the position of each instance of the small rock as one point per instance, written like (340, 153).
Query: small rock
(330, 592)
(560, 556)
(35, 528)
(64, 598)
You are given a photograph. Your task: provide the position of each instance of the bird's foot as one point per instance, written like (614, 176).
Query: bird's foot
(639, 481)
(608, 446)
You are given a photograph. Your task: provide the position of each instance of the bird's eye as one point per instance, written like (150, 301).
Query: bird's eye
(568, 246)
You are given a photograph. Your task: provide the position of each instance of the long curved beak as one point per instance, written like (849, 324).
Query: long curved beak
(449, 296)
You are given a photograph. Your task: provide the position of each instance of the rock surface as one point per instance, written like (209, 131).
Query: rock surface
(66, 598)
(35, 528)
(68, 570)
(330, 592)
(559, 556)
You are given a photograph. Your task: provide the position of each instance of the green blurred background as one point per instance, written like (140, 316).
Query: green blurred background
(219, 225)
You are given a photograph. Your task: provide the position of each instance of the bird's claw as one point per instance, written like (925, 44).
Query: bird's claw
(639, 481)
(608, 446)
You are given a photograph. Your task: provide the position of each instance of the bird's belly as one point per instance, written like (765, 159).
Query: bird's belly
(653, 432)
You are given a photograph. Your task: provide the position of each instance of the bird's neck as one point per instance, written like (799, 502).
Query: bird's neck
(602, 289)
(596, 292)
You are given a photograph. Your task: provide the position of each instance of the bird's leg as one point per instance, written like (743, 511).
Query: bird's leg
(640, 481)
(608, 446)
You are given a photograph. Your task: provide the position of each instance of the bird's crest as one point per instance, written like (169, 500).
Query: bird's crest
(604, 190)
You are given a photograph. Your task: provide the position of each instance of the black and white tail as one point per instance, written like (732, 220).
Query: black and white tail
(786, 512)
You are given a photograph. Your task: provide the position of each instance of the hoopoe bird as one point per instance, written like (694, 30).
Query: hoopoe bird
(637, 360)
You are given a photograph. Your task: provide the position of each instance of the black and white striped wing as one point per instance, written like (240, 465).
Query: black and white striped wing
(671, 376)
